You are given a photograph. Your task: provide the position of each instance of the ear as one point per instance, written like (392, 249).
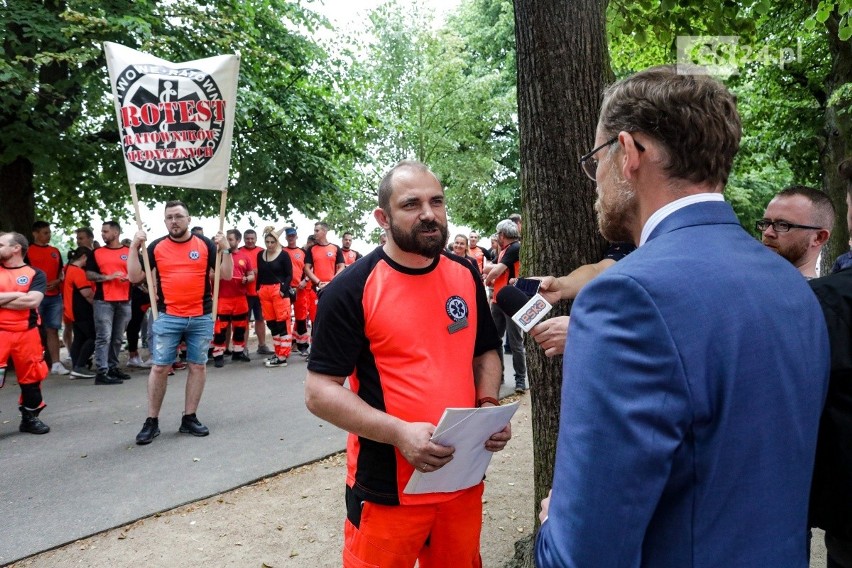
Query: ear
(630, 158)
(821, 237)
(381, 218)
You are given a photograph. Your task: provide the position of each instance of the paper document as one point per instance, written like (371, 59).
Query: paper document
(466, 429)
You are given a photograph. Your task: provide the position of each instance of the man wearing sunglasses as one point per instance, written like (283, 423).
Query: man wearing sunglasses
(695, 368)
(796, 225)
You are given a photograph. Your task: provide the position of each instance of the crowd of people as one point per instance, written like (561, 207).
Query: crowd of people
(705, 377)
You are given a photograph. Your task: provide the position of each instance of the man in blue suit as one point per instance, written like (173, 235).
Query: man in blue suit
(695, 369)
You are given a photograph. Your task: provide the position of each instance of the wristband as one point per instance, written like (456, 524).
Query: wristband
(485, 399)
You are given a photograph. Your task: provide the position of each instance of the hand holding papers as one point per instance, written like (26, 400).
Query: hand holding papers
(466, 429)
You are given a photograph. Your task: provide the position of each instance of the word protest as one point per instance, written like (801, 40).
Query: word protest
(175, 120)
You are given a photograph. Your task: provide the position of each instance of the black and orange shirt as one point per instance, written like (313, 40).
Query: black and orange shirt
(183, 288)
(20, 279)
(406, 338)
(324, 260)
(350, 256)
(75, 304)
(49, 260)
(297, 260)
(511, 257)
(235, 288)
(108, 261)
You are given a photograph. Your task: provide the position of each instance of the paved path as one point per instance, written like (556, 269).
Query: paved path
(88, 475)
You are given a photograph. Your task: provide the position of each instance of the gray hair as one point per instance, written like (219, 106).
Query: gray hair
(508, 229)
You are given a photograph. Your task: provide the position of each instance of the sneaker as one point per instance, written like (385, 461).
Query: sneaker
(82, 373)
(31, 424)
(189, 424)
(240, 356)
(149, 431)
(171, 371)
(228, 352)
(104, 379)
(263, 350)
(136, 362)
(67, 361)
(116, 373)
(59, 369)
(276, 362)
(178, 365)
(520, 390)
(219, 361)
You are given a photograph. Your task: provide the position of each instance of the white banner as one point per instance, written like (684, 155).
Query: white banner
(175, 120)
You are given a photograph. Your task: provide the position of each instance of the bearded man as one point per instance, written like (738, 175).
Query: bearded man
(695, 368)
(409, 325)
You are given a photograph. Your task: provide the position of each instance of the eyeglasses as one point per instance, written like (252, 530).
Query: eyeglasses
(590, 163)
(780, 226)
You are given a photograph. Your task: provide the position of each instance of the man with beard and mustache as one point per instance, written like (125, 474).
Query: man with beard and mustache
(796, 224)
(505, 270)
(182, 264)
(409, 325)
(695, 368)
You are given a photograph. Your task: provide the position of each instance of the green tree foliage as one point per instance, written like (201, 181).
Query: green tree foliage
(445, 97)
(296, 133)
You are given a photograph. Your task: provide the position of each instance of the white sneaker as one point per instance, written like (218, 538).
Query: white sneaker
(58, 369)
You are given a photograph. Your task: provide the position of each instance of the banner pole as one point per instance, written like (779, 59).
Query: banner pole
(149, 277)
(218, 256)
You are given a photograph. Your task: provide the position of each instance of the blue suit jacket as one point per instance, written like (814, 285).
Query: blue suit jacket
(694, 375)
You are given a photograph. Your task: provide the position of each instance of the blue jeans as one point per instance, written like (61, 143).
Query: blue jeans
(50, 311)
(168, 331)
(513, 333)
(110, 322)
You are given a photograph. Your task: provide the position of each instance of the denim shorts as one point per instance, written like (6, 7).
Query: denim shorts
(168, 331)
(50, 311)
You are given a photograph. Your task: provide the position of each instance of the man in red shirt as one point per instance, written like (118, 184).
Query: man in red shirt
(251, 250)
(21, 290)
(107, 268)
(232, 308)
(409, 326)
(181, 263)
(48, 259)
(349, 255)
(301, 298)
(324, 260)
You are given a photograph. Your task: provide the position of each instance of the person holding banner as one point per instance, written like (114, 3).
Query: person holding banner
(182, 264)
(274, 273)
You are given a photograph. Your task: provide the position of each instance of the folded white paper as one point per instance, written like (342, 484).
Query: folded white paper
(467, 430)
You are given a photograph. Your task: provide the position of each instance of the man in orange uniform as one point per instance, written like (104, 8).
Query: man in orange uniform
(349, 255)
(232, 308)
(300, 298)
(48, 259)
(21, 290)
(78, 294)
(323, 260)
(251, 250)
(107, 268)
(405, 371)
(181, 263)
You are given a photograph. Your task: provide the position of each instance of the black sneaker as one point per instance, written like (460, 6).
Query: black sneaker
(276, 362)
(189, 424)
(219, 361)
(228, 352)
(105, 379)
(31, 424)
(82, 373)
(116, 373)
(264, 350)
(149, 431)
(240, 356)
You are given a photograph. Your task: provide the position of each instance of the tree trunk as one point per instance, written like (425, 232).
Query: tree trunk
(838, 127)
(563, 66)
(17, 211)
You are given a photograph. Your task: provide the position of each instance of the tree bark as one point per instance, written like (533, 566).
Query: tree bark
(17, 204)
(563, 67)
(838, 126)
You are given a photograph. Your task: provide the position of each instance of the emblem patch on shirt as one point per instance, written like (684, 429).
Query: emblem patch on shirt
(22, 280)
(457, 310)
(194, 255)
(124, 257)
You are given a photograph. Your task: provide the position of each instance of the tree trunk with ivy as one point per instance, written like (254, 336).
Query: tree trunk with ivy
(563, 67)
